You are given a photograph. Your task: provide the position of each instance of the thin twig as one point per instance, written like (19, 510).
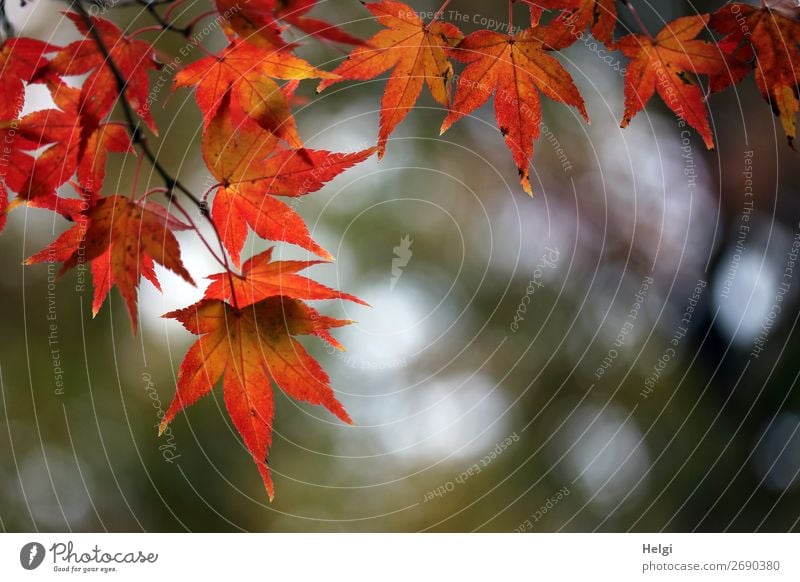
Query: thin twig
(138, 138)
(637, 18)
(137, 135)
(185, 31)
(439, 12)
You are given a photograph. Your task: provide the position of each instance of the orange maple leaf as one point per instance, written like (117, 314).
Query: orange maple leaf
(247, 72)
(600, 16)
(669, 64)
(295, 12)
(252, 171)
(254, 21)
(263, 278)
(515, 69)
(774, 36)
(414, 50)
(121, 238)
(250, 348)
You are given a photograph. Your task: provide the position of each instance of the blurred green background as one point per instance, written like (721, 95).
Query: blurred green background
(597, 408)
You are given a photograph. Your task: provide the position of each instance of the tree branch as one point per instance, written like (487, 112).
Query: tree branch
(137, 136)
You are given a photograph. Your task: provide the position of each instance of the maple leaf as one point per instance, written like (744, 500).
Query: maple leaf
(122, 238)
(247, 72)
(20, 59)
(251, 171)
(80, 143)
(417, 54)
(16, 165)
(250, 348)
(598, 15)
(294, 12)
(263, 278)
(774, 37)
(3, 206)
(515, 69)
(667, 64)
(131, 57)
(254, 21)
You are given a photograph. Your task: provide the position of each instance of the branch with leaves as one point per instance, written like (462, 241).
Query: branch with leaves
(253, 311)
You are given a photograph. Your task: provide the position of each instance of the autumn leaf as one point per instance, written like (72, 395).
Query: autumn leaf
(416, 53)
(20, 59)
(294, 12)
(122, 238)
(538, 7)
(77, 143)
(131, 57)
(250, 348)
(263, 278)
(598, 15)
(774, 36)
(18, 164)
(3, 206)
(251, 171)
(254, 21)
(248, 71)
(669, 64)
(515, 69)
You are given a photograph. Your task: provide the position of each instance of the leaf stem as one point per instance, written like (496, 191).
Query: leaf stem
(138, 138)
(136, 174)
(222, 261)
(637, 18)
(440, 12)
(165, 24)
(172, 6)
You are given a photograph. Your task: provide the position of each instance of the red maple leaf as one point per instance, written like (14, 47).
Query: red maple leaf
(598, 15)
(3, 206)
(247, 72)
(254, 21)
(250, 348)
(251, 171)
(20, 59)
(131, 57)
(121, 238)
(78, 143)
(416, 53)
(263, 278)
(515, 69)
(773, 35)
(669, 64)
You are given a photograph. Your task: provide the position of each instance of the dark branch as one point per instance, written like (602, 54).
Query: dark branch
(150, 6)
(137, 135)
(8, 28)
